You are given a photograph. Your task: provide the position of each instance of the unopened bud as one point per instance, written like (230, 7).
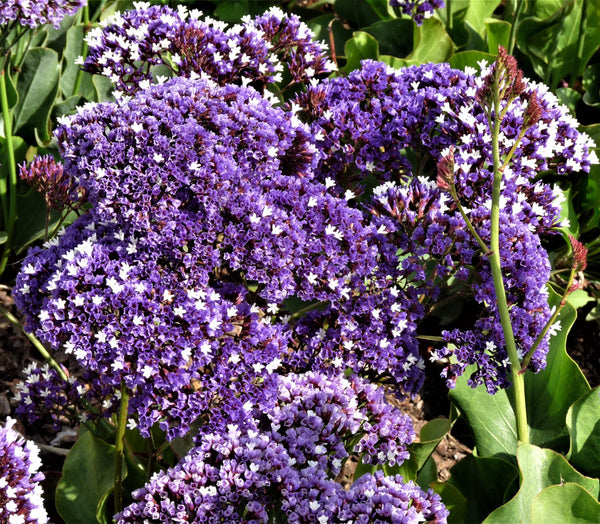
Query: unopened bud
(579, 254)
(445, 168)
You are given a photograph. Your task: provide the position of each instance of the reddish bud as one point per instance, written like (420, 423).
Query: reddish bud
(445, 168)
(579, 254)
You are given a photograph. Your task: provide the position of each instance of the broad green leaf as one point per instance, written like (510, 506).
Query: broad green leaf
(88, 473)
(428, 474)
(583, 423)
(395, 37)
(591, 84)
(568, 503)
(490, 418)
(579, 298)
(551, 392)
(498, 33)
(3, 237)
(539, 468)
(483, 482)
(470, 59)
(382, 8)
(67, 107)
(568, 97)
(431, 42)
(70, 70)
(430, 436)
(358, 12)
(568, 211)
(478, 12)
(454, 501)
(360, 47)
(562, 44)
(103, 88)
(37, 86)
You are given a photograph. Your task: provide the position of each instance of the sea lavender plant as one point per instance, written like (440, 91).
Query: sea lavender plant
(37, 13)
(283, 463)
(20, 489)
(413, 107)
(268, 49)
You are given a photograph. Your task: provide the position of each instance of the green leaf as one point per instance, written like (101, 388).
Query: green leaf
(73, 49)
(498, 33)
(470, 59)
(591, 84)
(490, 418)
(483, 482)
(568, 503)
(539, 468)
(397, 63)
(431, 42)
(478, 12)
(568, 97)
(358, 12)
(430, 436)
(395, 37)
(428, 474)
(88, 473)
(37, 86)
(3, 237)
(382, 8)
(454, 501)
(551, 392)
(360, 47)
(579, 298)
(583, 423)
(561, 45)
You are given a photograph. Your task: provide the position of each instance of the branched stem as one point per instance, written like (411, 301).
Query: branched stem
(496, 268)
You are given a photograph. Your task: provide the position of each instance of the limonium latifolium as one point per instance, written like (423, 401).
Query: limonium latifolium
(264, 50)
(284, 467)
(436, 113)
(205, 217)
(35, 13)
(20, 489)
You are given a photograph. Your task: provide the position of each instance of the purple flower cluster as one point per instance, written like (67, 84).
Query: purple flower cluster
(134, 48)
(362, 125)
(418, 10)
(284, 467)
(20, 490)
(205, 217)
(35, 13)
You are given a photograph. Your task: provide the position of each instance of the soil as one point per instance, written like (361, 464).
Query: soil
(16, 352)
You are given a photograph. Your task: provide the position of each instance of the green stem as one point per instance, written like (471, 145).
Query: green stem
(37, 344)
(496, 268)
(513, 27)
(12, 170)
(480, 241)
(84, 50)
(119, 448)
(449, 15)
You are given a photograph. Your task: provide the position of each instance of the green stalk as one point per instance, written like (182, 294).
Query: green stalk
(37, 344)
(449, 15)
(12, 170)
(513, 27)
(119, 448)
(503, 311)
(84, 50)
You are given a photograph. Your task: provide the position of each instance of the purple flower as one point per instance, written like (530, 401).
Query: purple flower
(418, 10)
(36, 13)
(20, 489)
(257, 53)
(281, 463)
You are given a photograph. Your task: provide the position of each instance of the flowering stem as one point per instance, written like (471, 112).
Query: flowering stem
(9, 224)
(84, 50)
(496, 268)
(119, 448)
(37, 344)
